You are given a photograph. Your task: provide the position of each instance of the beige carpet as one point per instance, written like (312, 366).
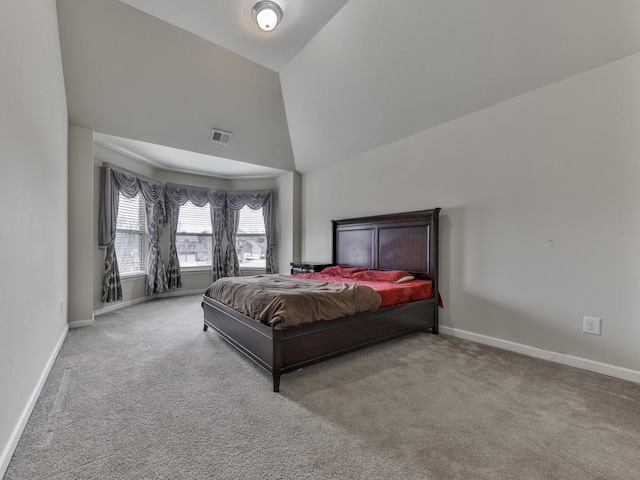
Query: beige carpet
(146, 394)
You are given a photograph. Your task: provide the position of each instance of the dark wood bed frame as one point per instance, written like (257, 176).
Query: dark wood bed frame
(404, 241)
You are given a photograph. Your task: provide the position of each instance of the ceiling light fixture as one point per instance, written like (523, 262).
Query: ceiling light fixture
(267, 15)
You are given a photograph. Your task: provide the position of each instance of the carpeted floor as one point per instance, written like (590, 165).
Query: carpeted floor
(146, 394)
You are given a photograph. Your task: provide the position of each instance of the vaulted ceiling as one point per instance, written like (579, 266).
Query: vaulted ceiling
(335, 79)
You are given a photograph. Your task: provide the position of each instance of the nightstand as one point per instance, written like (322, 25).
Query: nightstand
(308, 267)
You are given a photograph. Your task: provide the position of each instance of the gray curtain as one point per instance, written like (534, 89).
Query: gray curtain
(178, 195)
(156, 275)
(232, 266)
(270, 231)
(108, 215)
(174, 279)
(217, 225)
(218, 202)
(115, 181)
(254, 200)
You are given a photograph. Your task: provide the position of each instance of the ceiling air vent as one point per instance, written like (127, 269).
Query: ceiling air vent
(218, 136)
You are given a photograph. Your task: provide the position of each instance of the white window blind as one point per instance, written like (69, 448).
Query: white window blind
(194, 236)
(251, 241)
(131, 238)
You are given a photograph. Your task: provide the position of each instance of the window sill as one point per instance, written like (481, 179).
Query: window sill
(195, 269)
(129, 277)
(252, 271)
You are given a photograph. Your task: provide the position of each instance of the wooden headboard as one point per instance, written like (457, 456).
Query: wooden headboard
(401, 241)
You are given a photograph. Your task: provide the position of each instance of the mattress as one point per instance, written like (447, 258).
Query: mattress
(282, 301)
(391, 293)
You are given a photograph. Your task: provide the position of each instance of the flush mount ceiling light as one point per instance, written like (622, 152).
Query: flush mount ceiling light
(267, 15)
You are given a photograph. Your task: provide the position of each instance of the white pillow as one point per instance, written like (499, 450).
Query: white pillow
(408, 278)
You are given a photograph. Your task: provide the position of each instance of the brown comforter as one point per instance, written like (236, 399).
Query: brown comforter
(281, 301)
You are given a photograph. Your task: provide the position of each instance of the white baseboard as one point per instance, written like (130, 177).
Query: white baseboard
(82, 323)
(135, 301)
(118, 305)
(578, 362)
(178, 293)
(11, 445)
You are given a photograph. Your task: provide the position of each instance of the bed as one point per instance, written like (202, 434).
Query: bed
(403, 241)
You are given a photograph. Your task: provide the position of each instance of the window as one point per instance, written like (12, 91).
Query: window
(131, 237)
(194, 237)
(251, 240)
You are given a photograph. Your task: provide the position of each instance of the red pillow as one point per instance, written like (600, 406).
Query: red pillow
(338, 271)
(383, 276)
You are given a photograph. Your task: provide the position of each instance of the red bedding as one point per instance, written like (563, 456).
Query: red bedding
(391, 293)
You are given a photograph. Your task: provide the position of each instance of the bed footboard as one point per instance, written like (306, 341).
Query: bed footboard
(282, 351)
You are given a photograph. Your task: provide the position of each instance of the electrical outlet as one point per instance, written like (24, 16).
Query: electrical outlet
(591, 325)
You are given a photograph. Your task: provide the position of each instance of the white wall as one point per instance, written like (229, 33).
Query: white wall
(372, 76)
(33, 193)
(541, 212)
(82, 234)
(289, 216)
(133, 75)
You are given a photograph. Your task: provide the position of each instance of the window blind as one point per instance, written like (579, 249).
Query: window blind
(194, 235)
(193, 219)
(131, 237)
(251, 221)
(251, 240)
